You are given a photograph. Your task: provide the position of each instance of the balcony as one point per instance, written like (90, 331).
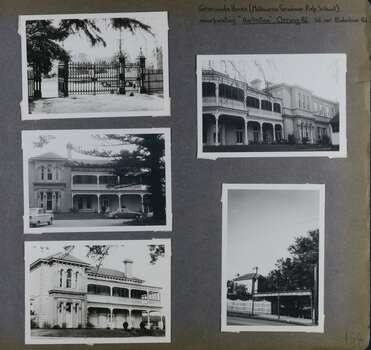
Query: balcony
(106, 299)
(92, 187)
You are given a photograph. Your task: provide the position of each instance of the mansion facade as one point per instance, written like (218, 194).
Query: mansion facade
(62, 184)
(235, 112)
(66, 292)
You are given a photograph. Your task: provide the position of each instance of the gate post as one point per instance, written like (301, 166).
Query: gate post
(142, 67)
(122, 75)
(37, 81)
(65, 78)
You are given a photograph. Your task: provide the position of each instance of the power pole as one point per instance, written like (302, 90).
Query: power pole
(315, 295)
(253, 289)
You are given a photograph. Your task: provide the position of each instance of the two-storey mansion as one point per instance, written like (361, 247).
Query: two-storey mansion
(60, 184)
(236, 112)
(67, 292)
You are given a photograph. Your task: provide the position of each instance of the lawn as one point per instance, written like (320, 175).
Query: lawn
(96, 332)
(270, 148)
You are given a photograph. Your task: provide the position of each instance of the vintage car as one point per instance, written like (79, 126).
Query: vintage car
(38, 216)
(124, 213)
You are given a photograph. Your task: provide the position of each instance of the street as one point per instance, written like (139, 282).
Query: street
(243, 321)
(91, 223)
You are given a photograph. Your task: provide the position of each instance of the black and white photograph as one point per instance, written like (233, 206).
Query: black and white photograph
(97, 292)
(95, 65)
(273, 258)
(97, 180)
(284, 105)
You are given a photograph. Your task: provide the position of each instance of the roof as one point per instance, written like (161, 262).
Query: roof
(246, 276)
(59, 256)
(112, 273)
(49, 155)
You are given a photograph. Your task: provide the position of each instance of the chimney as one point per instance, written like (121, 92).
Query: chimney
(256, 84)
(128, 267)
(69, 150)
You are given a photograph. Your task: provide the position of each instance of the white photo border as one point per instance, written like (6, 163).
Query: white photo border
(341, 153)
(142, 228)
(269, 187)
(97, 340)
(25, 113)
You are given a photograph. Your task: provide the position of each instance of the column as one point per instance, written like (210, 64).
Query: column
(98, 207)
(274, 132)
(130, 320)
(217, 93)
(64, 305)
(148, 320)
(119, 195)
(246, 138)
(261, 132)
(142, 202)
(110, 318)
(217, 129)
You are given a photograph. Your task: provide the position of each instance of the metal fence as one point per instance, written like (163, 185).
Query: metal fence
(154, 81)
(246, 307)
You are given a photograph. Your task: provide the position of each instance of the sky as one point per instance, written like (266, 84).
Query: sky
(131, 43)
(138, 251)
(262, 224)
(320, 73)
(58, 143)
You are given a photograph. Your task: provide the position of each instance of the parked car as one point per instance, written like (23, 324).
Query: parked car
(124, 213)
(38, 216)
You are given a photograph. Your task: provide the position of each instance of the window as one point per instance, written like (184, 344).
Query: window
(308, 106)
(61, 278)
(252, 102)
(266, 105)
(49, 200)
(76, 279)
(41, 204)
(57, 171)
(208, 89)
(49, 173)
(299, 96)
(239, 136)
(277, 107)
(42, 172)
(69, 277)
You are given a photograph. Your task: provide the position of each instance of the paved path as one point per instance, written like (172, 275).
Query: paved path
(242, 321)
(91, 223)
(267, 320)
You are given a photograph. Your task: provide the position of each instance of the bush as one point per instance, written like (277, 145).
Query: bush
(89, 325)
(142, 325)
(291, 139)
(56, 326)
(125, 325)
(46, 325)
(305, 140)
(325, 140)
(64, 325)
(34, 324)
(79, 326)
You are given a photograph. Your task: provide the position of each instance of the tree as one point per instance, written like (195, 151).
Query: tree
(142, 165)
(44, 37)
(296, 271)
(156, 251)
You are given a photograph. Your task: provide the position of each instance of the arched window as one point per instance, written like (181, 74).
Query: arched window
(69, 277)
(49, 173)
(61, 278)
(277, 107)
(42, 172)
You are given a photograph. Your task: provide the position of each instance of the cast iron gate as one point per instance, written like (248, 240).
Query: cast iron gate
(79, 78)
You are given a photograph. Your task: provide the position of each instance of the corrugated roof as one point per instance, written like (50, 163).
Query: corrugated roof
(246, 276)
(111, 273)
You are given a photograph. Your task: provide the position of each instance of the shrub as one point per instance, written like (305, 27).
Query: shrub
(46, 325)
(89, 325)
(64, 325)
(291, 139)
(79, 326)
(125, 325)
(142, 325)
(34, 324)
(56, 326)
(325, 140)
(305, 140)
